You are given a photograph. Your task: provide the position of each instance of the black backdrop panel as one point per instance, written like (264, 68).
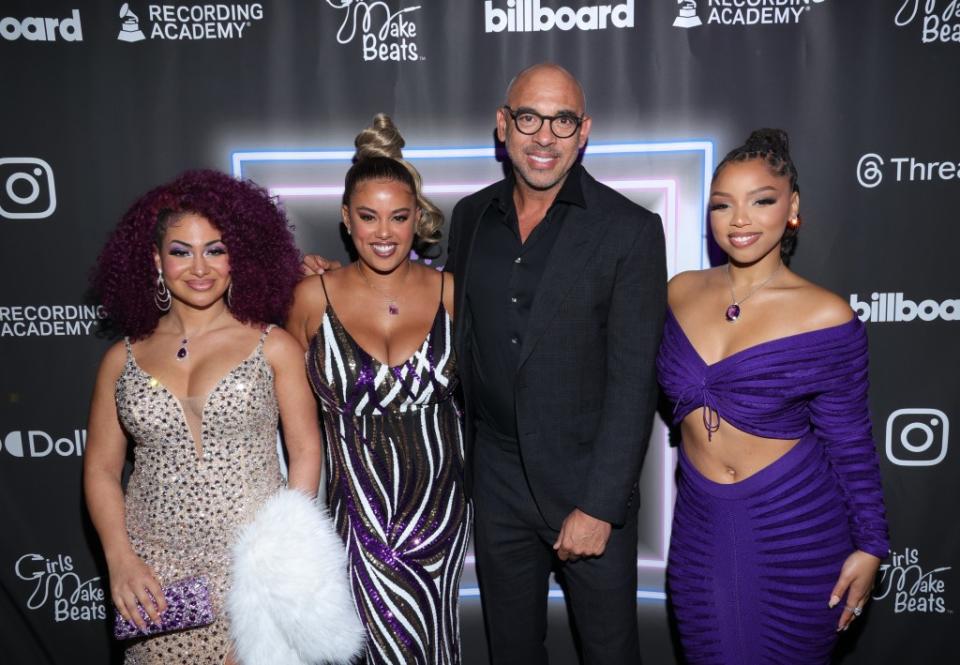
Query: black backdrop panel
(102, 100)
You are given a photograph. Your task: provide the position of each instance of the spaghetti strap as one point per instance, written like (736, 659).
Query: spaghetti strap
(263, 335)
(126, 343)
(441, 287)
(323, 283)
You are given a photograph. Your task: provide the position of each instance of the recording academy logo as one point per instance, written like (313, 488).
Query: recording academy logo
(188, 22)
(871, 170)
(37, 444)
(687, 15)
(48, 320)
(894, 308)
(26, 188)
(532, 16)
(743, 12)
(55, 583)
(42, 29)
(129, 26)
(939, 19)
(917, 437)
(385, 35)
(911, 589)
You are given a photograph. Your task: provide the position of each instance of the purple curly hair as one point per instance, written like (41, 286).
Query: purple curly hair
(264, 261)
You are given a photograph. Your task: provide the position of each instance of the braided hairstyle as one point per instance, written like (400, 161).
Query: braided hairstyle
(379, 157)
(773, 147)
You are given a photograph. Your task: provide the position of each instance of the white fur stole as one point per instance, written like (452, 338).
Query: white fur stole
(289, 602)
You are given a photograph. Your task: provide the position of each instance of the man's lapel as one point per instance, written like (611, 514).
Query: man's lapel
(572, 249)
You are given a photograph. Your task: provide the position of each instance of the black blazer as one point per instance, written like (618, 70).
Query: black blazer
(586, 384)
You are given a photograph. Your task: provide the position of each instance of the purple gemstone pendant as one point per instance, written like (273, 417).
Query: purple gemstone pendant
(393, 309)
(182, 351)
(733, 312)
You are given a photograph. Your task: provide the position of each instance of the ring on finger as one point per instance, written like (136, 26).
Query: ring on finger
(857, 611)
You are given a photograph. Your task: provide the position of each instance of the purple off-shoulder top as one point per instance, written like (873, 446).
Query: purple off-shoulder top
(783, 389)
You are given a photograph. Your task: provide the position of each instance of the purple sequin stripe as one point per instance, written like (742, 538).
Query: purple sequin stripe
(396, 487)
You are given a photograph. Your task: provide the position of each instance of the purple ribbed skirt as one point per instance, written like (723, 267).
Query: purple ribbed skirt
(752, 564)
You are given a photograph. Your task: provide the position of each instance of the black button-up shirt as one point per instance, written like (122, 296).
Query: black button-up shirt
(501, 287)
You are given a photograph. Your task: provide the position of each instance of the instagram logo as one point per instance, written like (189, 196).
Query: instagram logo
(917, 437)
(26, 188)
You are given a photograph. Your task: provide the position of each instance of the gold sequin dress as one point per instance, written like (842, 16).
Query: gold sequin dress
(203, 466)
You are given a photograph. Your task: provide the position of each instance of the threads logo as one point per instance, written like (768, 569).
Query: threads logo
(26, 188)
(870, 170)
(743, 12)
(190, 22)
(913, 591)
(387, 35)
(939, 25)
(55, 583)
(892, 307)
(41, 29)
(917, 437)
(531, 16)
(36, 443)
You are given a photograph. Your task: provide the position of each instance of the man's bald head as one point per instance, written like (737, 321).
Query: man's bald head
(545, 74)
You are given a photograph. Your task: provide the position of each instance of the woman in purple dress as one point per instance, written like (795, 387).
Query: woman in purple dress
(779, 525)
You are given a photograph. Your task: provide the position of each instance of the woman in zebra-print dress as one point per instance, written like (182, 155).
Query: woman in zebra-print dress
(380, 358)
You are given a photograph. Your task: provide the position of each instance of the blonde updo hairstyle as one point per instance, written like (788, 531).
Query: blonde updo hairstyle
(379, 157)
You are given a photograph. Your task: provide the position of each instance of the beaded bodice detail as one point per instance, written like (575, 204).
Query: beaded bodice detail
(235, 453)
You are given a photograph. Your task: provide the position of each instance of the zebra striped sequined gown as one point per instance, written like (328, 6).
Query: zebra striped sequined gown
(395, 488)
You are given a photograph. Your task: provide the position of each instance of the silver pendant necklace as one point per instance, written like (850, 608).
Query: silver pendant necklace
(733, 311)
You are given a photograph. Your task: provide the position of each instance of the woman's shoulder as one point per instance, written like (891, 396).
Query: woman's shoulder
(114, 360)
(821, 307)
(690, 282)
(279, 346)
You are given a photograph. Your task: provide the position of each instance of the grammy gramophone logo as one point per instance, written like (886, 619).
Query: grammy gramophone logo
(686, 15)
(130, 26)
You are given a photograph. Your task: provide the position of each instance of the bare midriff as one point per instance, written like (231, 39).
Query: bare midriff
(728, 455)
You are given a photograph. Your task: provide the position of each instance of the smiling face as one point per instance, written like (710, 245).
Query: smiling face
(749, 209)
(194, 261)
(541, 161)
(381, 218)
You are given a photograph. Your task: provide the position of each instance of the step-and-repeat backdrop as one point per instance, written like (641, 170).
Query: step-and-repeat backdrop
(103, 100)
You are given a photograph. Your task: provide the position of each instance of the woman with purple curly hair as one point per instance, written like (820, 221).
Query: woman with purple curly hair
(195, 275)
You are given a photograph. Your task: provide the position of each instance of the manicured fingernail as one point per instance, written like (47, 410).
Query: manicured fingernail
(833, 601)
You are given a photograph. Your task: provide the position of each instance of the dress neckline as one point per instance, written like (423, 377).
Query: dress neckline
(330, 313)
(154, 381)
(778, 341)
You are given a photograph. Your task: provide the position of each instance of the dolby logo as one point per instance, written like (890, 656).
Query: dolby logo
(36, 443)
(893, 307)
(531, 16)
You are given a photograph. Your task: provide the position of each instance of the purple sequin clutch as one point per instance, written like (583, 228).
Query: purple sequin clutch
(188, 606)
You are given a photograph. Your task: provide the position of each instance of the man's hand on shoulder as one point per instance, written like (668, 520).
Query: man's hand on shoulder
(314, 264)
(581, 535)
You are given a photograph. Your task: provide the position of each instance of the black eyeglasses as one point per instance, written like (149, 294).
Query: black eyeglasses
(563, 125)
